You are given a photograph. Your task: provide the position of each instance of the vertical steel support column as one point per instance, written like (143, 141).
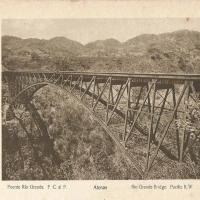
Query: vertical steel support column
(148, 99)
(167, 126)
(190, 90)
(193, 90)
(175, 116)
(121, 86)
(93, 92)
(136, 104)
(139, 97)
(29, 78)
(101, 93)
(112, 96)
(88, 87)
(151, 123)
(108, 102)
(138, 114)
(120, 93)
(128, 108)
(160, 114)
(11, 86)
(183, 135)
(81, 85)
(61, 81)
(77, 82)
(70, 83)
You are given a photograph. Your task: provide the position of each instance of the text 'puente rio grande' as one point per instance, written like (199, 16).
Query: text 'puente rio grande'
(138, 111)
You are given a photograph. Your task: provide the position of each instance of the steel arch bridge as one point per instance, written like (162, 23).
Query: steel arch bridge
(138, 111)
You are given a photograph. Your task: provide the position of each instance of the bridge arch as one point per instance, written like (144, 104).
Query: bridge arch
(41, 85)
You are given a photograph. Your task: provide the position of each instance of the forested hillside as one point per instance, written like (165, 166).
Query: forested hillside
(169, 52)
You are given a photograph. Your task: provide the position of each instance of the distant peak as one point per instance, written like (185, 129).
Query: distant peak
(64, 40)
(11, 37)
(182, 31)
(112, 39)
(58, 38)
(185, 31)
(110, 42)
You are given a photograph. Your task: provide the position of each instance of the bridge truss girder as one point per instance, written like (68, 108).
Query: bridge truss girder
(121, 104)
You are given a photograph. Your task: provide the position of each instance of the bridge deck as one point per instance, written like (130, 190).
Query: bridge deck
(118, 75)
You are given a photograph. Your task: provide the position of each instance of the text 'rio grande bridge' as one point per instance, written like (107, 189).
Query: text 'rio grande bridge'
(138, 111)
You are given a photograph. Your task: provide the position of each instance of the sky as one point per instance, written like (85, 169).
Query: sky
(88, 30)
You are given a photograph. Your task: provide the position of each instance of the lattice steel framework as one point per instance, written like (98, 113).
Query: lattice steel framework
(138, 111)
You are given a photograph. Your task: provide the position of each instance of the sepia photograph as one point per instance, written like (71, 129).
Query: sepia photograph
(100, 99)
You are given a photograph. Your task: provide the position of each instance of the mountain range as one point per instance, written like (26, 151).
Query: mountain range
(173, 52)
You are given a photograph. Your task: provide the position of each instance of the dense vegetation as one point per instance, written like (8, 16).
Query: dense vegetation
(85, 150)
